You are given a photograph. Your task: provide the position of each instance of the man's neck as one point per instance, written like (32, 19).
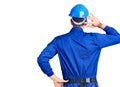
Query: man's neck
(79, 26)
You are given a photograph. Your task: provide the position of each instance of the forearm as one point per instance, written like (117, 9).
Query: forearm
(107, 29)
(45, 66)
(111, 31)
(95, 22)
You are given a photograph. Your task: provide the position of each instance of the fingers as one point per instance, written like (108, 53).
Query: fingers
(63, 81)
(60, 82)
(91, 17)
(57, 81)
(92, 21)
(89, 24)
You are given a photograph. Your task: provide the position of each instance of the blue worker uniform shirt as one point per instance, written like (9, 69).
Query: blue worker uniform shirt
(78, 53)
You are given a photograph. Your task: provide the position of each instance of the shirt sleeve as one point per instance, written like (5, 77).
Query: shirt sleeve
(111, 37)
(43, 59)
(110, 31)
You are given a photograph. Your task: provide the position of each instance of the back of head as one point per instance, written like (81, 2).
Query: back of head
(79, 14)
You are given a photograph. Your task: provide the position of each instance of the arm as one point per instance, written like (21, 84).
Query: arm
(110, 38)
(43, 59)
(95, 22)
(103, 40)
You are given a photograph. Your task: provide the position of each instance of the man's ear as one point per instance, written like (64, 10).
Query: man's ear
(71, 22)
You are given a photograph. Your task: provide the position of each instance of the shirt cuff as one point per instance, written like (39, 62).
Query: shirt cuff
(50, 74)
(106, 28)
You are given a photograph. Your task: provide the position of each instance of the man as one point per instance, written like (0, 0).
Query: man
(78, 51)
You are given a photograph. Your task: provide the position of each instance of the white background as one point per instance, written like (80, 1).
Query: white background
(27, 26)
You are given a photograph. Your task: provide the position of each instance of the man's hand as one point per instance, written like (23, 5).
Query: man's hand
(57, 81)
(94, 22)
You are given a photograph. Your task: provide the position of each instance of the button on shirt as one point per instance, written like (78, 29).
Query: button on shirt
(78, 52)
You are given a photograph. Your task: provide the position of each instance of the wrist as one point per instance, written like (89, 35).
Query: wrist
(101, 25)
(53, 77)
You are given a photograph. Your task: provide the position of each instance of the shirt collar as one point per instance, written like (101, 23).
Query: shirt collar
(78, 30)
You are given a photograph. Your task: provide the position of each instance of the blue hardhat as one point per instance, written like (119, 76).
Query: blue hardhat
(79, 11)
